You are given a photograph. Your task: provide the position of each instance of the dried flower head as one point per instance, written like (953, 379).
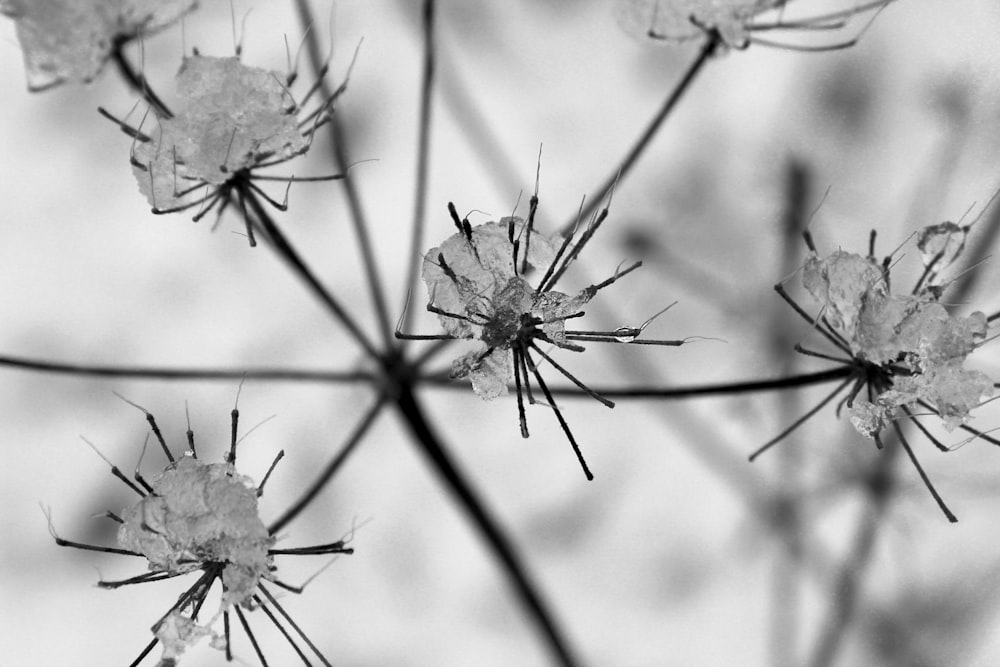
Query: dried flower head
(203, 517)
(738, 23)
(480, 287)
(71, 40)
(233, 121)
(904, 351)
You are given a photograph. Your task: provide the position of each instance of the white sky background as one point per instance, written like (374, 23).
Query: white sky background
(660, 560)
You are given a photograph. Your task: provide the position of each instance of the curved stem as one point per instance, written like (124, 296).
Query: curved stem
(428, 442)
(640, 145)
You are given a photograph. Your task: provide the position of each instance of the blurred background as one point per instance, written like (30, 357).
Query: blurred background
(680, 552)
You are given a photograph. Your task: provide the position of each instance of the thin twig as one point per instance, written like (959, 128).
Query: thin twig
(323, 478)
(525, 588)
(638, 148)
(423, 153)
(338, 147)
(163, 373)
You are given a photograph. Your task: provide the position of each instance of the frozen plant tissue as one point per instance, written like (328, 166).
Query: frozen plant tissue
(71, 40)
(198, 513)
(176, 634)
(478, 284)
(233, 117)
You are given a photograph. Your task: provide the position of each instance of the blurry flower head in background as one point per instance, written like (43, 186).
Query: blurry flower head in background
(739, 23)
(71, 40)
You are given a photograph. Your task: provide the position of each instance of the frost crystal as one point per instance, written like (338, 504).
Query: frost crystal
(71, 40)
(234, 117)
(198, 513)
(940, 245)
(869, 418)
(840, 284)
(479, 295)
(177, 633)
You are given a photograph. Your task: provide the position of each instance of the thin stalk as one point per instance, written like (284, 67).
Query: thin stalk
(524, 587)
(162, 373)
(423, 153)
(337, 146)
(137, 81)
(638, 148)
(855, 566)
(285, 250)
(331, 468)
(786, 600)
(690, 391)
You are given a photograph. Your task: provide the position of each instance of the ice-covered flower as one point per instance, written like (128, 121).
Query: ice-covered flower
(482, 285)
(71, 40)
(232, 121)
(739, 23)
(203, 517)
(917, 347)
(902, 354)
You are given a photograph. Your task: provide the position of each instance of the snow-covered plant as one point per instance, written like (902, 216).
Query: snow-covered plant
(904, 350)
(479, 282)
(203, 517)
(72, 40)
(234, 120)
(738, 23)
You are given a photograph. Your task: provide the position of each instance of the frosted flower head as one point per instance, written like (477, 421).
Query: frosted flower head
(902, 354)
(71, 40)
(233, 121)
(907, 347)
(739, 23)
(495, 283)
(199, 517)
(201, 513)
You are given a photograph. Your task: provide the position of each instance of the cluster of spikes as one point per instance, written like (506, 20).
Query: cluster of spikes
(898, 356)
(235, 120)
(479, 289)
(203, 517)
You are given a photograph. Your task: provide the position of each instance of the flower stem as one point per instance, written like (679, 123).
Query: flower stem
(428, 443)
(640, 145)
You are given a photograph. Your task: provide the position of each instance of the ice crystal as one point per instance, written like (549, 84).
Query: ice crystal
(840, 284)
(71, 40)
(233, 118)
(176, 634)
(940, 245)
(201, 512)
